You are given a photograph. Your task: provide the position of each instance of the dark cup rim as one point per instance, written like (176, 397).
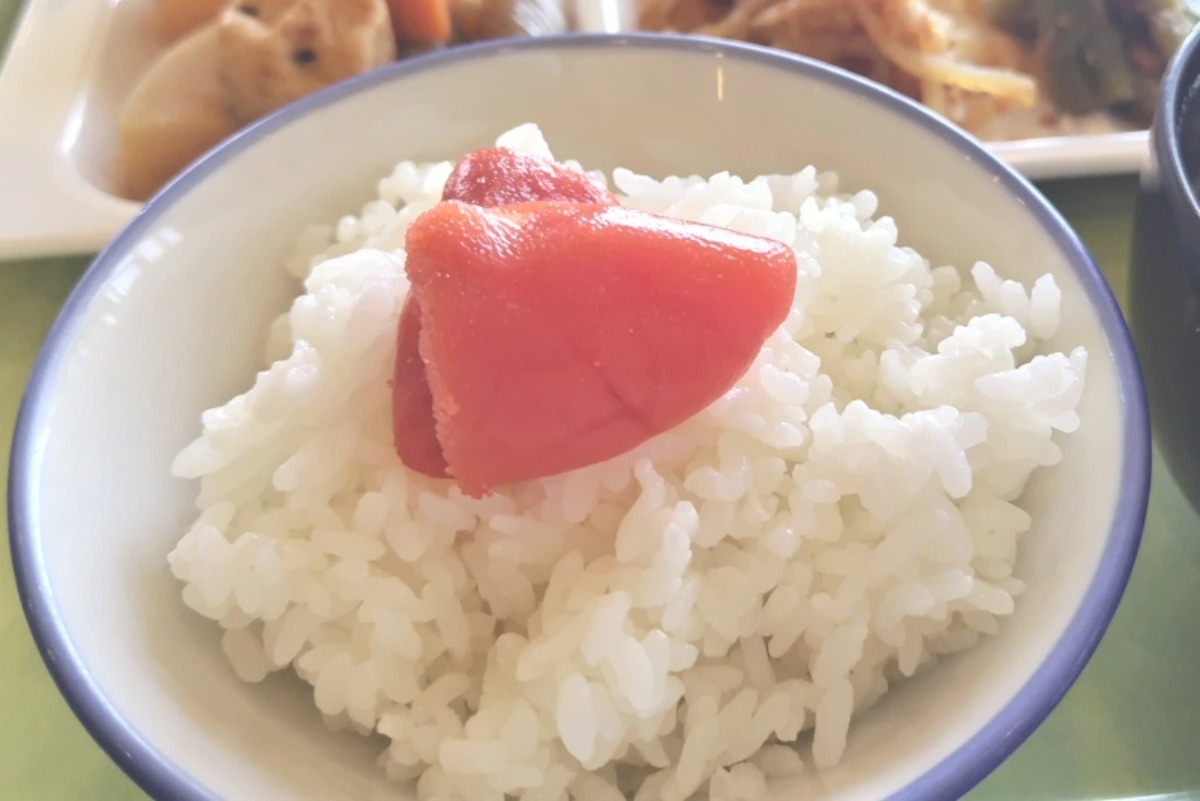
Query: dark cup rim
(1179, 84)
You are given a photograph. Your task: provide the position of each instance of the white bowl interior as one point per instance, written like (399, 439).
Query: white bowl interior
(177, 327)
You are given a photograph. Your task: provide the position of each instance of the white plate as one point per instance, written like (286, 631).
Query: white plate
(1073, 156)
(70, 63)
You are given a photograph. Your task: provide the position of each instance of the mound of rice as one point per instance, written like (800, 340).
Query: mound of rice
(676, 620)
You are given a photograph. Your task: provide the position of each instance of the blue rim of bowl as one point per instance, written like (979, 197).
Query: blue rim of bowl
(951, 778)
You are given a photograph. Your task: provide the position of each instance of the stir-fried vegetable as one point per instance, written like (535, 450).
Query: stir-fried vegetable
(1099, 54)
(972, 60)
(1084, 62)
(1169, 21)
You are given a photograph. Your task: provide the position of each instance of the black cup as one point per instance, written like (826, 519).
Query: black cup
(1165, 269)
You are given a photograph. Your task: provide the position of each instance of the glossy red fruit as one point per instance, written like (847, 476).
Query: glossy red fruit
(499, 176)
(556, 335)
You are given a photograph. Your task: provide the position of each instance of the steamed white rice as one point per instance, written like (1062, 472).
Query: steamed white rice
(701, 615)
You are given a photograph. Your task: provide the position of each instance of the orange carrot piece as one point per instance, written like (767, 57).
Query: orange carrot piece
(420, 20)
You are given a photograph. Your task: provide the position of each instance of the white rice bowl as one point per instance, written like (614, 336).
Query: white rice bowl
(704, 614)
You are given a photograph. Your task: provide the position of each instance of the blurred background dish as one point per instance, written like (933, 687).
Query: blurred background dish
(1002, 69)
(114, 98)
(92, 80)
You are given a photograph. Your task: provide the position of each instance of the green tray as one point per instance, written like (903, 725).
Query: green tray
(1129, 728)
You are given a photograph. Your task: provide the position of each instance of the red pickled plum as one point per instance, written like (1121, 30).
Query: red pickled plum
(555, 335)
(498, 176)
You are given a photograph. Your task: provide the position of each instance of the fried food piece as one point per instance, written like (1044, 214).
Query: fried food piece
(176, 18)
(289, 48)
(177, 111)
(257, 56)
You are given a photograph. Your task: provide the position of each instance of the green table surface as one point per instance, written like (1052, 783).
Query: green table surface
(1129, 728)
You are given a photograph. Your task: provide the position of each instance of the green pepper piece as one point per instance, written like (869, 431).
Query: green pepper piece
(1169, 22)
(1013, 16)
(1085, 67)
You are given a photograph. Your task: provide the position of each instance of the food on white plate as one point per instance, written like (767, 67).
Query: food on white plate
(252, 60)
(287, 49)
(1003, 69)
(242, 59)
(177, 111)
(704, 611)
(1096, 56)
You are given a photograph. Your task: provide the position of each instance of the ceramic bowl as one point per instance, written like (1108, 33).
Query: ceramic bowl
(1165, 269)
(170, 318)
